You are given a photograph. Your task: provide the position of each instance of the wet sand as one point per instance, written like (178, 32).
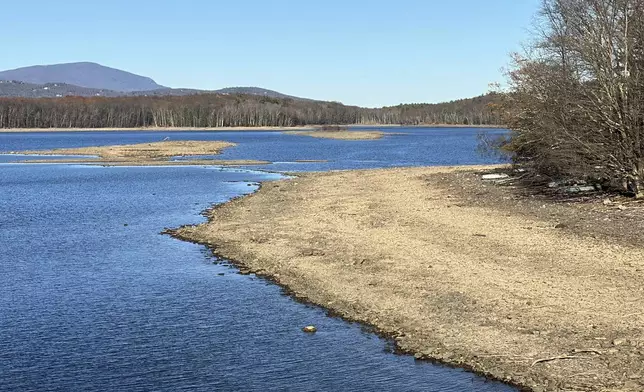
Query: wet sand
(507, 291)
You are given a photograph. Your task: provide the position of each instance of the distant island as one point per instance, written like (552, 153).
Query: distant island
(89, 95)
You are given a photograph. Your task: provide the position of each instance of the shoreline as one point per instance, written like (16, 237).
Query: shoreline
(276, 254)
(237, 129)
(297, 296)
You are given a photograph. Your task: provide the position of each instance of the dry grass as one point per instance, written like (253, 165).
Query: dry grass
(502, 292)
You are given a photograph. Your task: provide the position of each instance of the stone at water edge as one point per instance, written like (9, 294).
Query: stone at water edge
(494, 176)
(309, 329)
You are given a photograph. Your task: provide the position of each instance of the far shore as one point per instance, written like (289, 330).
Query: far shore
(541, 294)
(237, 129)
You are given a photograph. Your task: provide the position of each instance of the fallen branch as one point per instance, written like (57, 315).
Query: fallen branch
(569, 356)
(542, 360)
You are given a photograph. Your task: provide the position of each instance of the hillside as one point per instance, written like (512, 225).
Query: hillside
(17, 89)
(87, 75)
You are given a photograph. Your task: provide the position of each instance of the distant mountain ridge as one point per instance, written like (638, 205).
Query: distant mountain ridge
(18, 89)
(84, 74)
(87, 79)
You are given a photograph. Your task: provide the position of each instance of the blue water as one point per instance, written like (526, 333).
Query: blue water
(407, 147)
(93, 298)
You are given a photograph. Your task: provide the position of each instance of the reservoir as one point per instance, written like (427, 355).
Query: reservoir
(94, 298)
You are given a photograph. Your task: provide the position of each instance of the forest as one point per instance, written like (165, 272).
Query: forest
(230, 110)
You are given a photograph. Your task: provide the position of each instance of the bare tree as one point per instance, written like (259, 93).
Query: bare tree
(576, 101)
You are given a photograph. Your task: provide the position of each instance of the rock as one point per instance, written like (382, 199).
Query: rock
(311, 252)
(618, 342)
(580, 189)
(309, 329)
(561, 226)
(607, 202)
(494, 176)
(621, 207)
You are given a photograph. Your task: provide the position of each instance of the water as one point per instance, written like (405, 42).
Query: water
(92, 298)
(407, 147)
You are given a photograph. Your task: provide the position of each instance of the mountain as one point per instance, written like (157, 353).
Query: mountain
(91, 80)
(87, 75)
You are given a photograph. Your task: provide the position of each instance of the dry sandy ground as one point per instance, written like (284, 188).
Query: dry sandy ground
(340, 135)
(506, 292)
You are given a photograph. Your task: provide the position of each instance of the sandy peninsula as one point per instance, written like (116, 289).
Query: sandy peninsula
(542, 294)
(340, 135)
(145, 154)
(143, 151)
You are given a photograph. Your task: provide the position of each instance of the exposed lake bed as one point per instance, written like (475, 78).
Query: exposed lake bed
(498, 288)
(122, 265)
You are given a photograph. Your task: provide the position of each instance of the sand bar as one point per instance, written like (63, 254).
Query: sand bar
(340, 135)
(142, 151)
(145, 154)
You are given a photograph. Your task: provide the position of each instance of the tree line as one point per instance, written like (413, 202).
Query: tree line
(228, 110)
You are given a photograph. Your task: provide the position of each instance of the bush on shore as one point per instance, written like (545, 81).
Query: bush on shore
(575, 104)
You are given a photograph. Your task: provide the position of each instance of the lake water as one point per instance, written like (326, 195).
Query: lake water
(93, 298)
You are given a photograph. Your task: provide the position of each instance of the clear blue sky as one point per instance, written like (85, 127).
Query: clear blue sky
(363, 52)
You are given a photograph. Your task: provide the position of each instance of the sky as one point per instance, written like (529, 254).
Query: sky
(360, 52)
